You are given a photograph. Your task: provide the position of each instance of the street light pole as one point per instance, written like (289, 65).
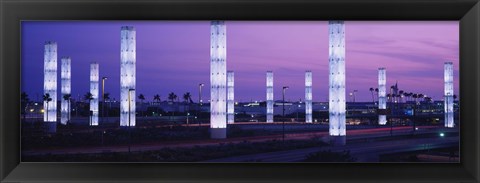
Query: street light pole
(199, 100)
(283, 114)
(414, 117)
(103, 97)
(200, 93)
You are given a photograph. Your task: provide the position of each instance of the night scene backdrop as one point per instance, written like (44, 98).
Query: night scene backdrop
(173, 56)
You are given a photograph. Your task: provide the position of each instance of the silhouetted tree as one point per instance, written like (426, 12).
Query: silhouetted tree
(67, 97)
(142, 98)
(48, 99)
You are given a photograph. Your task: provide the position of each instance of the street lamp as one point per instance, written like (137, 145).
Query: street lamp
(414, 116)
(283, 105)
(199, 100)
(129, 119)
(299, 105)
(103, 96)
(200, 93)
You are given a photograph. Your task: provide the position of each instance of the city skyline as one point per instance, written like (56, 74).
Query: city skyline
(412, 52)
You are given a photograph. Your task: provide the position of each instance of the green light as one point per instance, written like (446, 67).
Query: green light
(442, 134)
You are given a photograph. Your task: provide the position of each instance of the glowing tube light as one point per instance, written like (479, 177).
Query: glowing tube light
(127, 75)
(218, 79)
(382, 99)
(230, 97)
(66, 89)
(50, 83)
(337, 78)
(94, 71)
(308, 96)
(269, 97)
(448, 106)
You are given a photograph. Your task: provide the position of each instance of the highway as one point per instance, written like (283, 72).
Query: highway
(351, 135)
(364, 152)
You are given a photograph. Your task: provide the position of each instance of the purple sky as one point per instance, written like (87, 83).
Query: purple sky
(173, 56)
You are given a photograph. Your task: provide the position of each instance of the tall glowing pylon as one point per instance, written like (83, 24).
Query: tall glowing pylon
(218, 80)
(448, 78)
(230, 97)
(66, 89)
(94, 72)
(269, 97)
(308, 96)
(382, 98)
(336, 94)
(127, 75)
(50, 86)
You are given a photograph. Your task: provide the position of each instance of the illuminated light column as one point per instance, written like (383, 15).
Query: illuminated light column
(127, 75)
(50, 86)
(336, 94)
(308, 96)
(382, 99)
(448, 78)
(218, 80)
(94, 71)
(269, 97)
(66, 89)
(230, 97)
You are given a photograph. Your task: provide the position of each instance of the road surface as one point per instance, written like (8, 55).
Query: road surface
(364, 152)
(351, 135)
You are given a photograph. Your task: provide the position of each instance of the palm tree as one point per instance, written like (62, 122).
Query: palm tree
(428, 99)
(89, 96)
(420, 96)
(187, 97)
(25, 100)
(142, 98)
(376, 91)
(407, 95)
(172, 96)
(156, 98)
(454, 97)
(415, 96)
(67, 98)
(47, 99)
(401, 92)
(371, 91)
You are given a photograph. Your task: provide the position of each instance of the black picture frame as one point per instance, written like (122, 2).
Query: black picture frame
(13, 12)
